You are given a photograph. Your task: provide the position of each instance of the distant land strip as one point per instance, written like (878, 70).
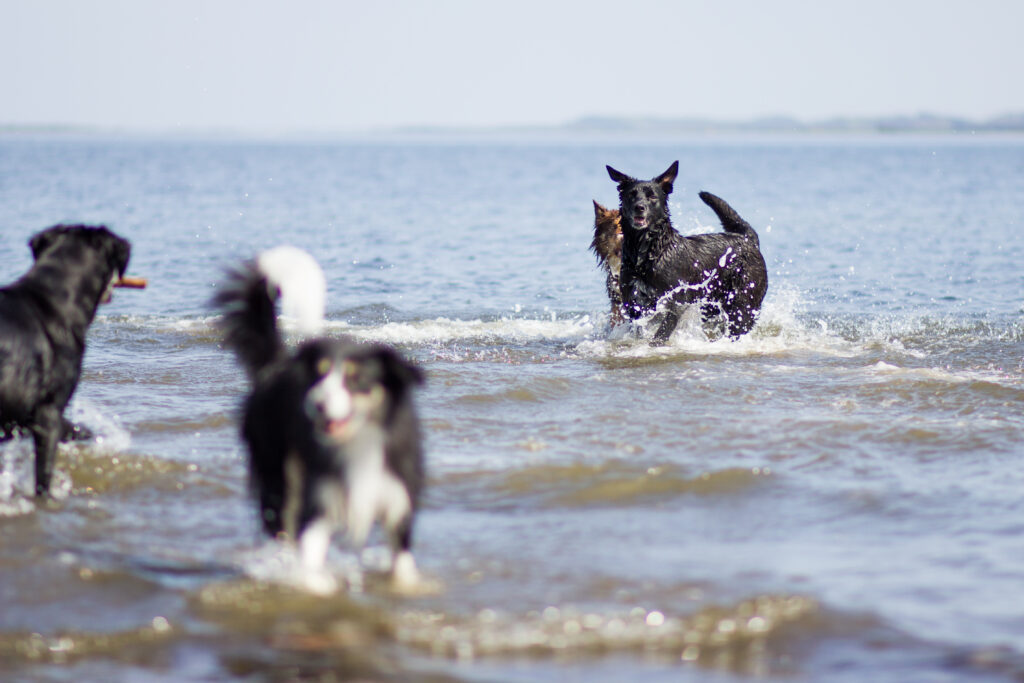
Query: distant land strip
(614, 125)
(597, 126)
(924, 123)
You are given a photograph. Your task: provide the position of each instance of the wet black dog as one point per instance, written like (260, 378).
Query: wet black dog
(333, 436)
(44, 317)
(724, 273)
(607, 246)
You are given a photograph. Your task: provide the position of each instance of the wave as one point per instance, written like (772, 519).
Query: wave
(447, 330)
(743, 629)
(788, 326)
(608, 483)
(74, 645)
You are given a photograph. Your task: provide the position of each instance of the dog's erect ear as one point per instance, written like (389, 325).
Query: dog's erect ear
(618, 176)
(599, 211)
(668, 177)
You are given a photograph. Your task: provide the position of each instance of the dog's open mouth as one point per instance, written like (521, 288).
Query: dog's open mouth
(639, 221)
(338, 428)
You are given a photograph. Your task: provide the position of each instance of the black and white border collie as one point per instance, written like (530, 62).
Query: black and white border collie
(333, 436)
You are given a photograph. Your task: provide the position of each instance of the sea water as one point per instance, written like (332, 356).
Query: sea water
(836, 496)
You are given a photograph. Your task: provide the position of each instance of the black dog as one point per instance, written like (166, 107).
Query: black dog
(333, 436)
(723, 272)
(43, 321)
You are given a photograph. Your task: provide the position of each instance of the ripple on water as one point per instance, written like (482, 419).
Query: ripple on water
(609, 483)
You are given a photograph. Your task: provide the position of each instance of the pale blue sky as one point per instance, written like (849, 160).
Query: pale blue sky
(310, 66)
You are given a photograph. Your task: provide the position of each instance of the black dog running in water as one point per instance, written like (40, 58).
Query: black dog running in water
(723, 272)
(44, 317)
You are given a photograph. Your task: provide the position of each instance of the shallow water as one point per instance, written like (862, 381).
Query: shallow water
(835, 496)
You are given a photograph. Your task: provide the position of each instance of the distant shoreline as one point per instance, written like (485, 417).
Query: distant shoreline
(589, 126)
(920, 123)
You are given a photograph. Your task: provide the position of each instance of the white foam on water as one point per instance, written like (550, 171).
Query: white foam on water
(279, 563)
(787, 324)
(779, 331)
(886, 371)
(108, 432)
(446, 330)
(15, 485)
(17, 478)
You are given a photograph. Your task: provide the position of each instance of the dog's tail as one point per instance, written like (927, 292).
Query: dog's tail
(248, 297)
(731, 221)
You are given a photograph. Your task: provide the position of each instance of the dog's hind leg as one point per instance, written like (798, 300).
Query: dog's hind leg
(740, 322)
(46, 432)
(405, 577)
(74, 432)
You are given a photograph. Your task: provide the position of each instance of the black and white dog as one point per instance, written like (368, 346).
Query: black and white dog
(723, 272)
(333, 436)
(44, 317)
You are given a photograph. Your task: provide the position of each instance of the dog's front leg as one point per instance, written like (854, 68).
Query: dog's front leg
(46, 432)
(668, 325)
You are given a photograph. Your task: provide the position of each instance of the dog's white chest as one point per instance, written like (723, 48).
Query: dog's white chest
(372, 492)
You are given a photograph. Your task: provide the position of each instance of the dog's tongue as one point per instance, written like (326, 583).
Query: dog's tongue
(336, 428)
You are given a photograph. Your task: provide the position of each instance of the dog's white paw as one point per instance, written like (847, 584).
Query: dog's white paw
(407, 580)
(318, 582)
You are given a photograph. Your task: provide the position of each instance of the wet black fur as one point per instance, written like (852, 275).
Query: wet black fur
(724, 272)
(275, 424)
(44, 317)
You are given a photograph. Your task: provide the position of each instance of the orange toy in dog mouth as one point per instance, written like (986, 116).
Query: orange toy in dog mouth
(132, 282)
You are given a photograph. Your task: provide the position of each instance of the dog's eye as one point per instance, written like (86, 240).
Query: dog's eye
(349, 369)
(649, 192)
(353, 373)
(323, 366)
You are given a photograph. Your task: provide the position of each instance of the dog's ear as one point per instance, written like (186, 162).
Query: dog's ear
(123, 254)
(599, 211)
(619, 177)
(399, 372)
(668, 177)
(42, 241)
(119, 251)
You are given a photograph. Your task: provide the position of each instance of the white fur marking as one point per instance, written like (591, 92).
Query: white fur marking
(330, 396)
(314, 543)
(404, 575)
(373, 492)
